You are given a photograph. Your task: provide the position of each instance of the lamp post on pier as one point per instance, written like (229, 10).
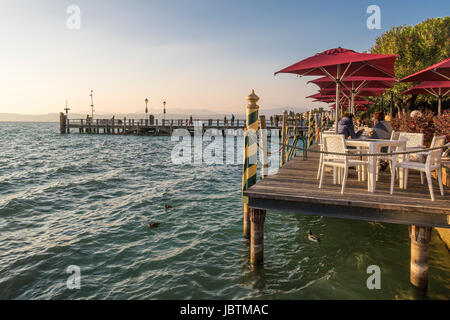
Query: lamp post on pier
(67, 108)
(146, 108)
(164, 104)
(92, 103)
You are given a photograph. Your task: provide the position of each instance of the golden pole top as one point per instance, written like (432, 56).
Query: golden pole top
(252, 99)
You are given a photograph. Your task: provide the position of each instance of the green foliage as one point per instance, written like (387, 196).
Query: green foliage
(419, 47)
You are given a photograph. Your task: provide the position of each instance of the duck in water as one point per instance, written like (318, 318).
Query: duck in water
(153, 225)
(166, 207)
(313, 237)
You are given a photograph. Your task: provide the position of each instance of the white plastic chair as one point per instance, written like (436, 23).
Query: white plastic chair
(336, 143)
(433, 162)
(321, 155)
(414, 141)
(395, 135)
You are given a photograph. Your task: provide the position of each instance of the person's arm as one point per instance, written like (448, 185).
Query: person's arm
(352, 133)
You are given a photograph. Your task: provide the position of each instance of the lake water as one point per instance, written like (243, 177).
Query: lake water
(86, 200)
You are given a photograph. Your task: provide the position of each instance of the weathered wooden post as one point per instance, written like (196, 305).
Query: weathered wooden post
(257, 218)
(68, 124)
(263, 143)
(283, 138)
(420, 238)
(62, 123)
(81, 126)
(250, 155)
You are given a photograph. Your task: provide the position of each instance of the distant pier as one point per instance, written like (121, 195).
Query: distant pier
(165, 127)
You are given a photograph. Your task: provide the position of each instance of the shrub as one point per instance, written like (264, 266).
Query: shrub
(426, 123)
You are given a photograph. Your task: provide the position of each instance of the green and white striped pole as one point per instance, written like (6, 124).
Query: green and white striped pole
(250, 168)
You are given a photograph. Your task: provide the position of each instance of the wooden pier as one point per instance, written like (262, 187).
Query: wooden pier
(295, 189)
(152, 127)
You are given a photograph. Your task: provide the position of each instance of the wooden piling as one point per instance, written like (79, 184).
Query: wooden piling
(257, 218)
(246, 225)
(263, 145)
(62, 123)
(250, 168)
(420, 238)
(283, 138)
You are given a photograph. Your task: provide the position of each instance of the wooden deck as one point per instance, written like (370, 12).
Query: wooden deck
(295, 189)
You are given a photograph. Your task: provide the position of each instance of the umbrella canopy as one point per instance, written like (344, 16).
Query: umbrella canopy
(356, 82)
(365, 92)
(439, 89)
(357, 103)
(321, 95)
(361, 108)
(339, 64)
(437, 72)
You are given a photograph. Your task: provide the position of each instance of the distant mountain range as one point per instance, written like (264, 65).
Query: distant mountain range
(174, 114)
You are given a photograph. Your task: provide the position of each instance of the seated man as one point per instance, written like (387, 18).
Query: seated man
(381, 130)
(345, 127)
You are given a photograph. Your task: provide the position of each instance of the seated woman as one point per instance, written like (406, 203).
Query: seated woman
(345, 127)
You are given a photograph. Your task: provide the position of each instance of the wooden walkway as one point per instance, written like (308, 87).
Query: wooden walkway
(295, 189)
(165, 127)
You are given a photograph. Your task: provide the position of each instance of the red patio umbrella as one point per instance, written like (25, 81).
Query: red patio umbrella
(361, 108)
(355, 84)
(357, 103)
(339, 64)
(321, 95)
(364, 92)
(437, 72)
(439, 89)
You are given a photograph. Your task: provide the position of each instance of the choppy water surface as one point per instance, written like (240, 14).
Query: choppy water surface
(86, 200)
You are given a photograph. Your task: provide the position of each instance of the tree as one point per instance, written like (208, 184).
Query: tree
(419, 47)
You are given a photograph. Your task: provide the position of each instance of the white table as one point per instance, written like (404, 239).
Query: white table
(374, 146)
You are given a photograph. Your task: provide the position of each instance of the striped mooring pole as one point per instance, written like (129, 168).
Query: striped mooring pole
(311, 129)
(250, 155)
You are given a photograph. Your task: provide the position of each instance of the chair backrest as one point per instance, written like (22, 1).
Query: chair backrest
(413, 140)
(395, 135)
(333, 143)
(434, 157)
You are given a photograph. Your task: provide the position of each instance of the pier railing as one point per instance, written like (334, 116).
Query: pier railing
(165, 126)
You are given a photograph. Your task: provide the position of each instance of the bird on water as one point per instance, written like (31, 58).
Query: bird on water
(166, 207)
(313, 237)
(153, 225)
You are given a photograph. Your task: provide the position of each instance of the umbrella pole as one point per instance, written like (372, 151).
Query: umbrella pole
(338, 94)
(352, 102)
(439, 101)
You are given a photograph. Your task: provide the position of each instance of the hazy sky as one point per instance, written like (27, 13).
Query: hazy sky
(193, 53)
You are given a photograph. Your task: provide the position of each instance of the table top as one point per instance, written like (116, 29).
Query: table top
(380, 142)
